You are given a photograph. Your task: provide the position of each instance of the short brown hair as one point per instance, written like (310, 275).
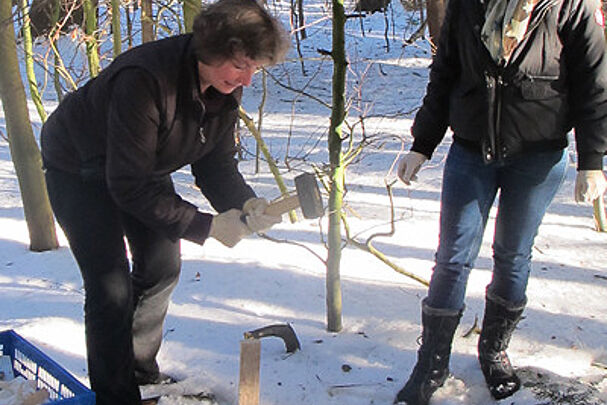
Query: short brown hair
(228, 27)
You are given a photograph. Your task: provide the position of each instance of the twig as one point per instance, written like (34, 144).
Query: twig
(417, 34)
(368, 246)
(301, 245)
(473, 329)
(599, 364)
(278, 82)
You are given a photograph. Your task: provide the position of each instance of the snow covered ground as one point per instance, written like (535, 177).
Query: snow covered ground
(226, 292)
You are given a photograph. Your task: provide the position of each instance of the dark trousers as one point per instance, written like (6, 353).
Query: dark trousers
(124, 308)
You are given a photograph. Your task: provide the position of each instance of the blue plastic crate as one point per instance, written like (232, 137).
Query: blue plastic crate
(32, 364)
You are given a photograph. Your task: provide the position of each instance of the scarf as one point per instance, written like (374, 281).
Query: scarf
(506, 22)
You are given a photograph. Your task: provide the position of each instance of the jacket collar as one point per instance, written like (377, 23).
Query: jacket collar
(539, 12)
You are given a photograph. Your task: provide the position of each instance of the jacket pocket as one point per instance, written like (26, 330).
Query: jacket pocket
(540, 89)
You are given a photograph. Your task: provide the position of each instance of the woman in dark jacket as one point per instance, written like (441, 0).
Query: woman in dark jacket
(511, 78)
(109, 150)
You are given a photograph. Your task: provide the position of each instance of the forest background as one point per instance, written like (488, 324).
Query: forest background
(349, 283)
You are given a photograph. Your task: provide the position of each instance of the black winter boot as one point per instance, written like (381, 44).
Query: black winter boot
(500, 320)
(432, 368)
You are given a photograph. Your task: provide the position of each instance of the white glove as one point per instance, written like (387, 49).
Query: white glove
(228, 228)
(409, 165)
(589, 185)
(254, 211)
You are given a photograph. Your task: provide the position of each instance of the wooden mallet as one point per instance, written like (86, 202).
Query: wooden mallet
(307, 196)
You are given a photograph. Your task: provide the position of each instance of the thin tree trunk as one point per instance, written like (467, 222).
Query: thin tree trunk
(29, 61)
(147, 21)
(129, 26)
(262, 145)
(435, 9)
(24, 149)
(191, 8)
(57, 78)
(599, 214)
(90, 29)
(334, 303)
(302, 19)
(262, 103)
(53, 35)
(116, 30)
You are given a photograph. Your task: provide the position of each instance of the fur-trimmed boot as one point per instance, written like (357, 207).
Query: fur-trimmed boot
(432, 368)
(500, 320)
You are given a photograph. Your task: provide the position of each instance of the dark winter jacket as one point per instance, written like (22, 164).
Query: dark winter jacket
(556, 80)
(142, 119)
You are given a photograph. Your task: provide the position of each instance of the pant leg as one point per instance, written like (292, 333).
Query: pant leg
(527, 187)
(156, 268)
(468, 191)
(92, 225)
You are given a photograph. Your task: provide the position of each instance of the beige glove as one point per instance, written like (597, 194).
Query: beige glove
(409, 165)
(589, 185)
(255, 206)
(254, 211)
(228, 228)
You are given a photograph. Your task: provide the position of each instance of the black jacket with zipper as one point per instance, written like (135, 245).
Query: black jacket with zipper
(142, 119)
(556, 80)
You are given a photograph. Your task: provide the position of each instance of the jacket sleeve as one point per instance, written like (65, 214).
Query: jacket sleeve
(584, 48)
(217, 173)
(432, 119)
(133, 120)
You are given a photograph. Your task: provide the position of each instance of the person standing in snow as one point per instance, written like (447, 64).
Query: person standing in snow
(511, 78)
(109, 150)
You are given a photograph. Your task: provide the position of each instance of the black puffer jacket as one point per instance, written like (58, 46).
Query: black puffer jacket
(142, 119)
(556, 80)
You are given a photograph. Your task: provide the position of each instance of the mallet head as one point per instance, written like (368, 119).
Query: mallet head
(309, 196)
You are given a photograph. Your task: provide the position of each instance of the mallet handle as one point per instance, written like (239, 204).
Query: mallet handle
(282, 205)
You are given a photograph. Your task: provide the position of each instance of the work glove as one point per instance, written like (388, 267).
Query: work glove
(589, 185)
(409, 165)
(255, 206)
(228, 228)
(256, 218)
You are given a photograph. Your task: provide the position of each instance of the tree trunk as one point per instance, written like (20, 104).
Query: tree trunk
(302, 19)
(334, 304)
(147, 21)
(262, 103)
(29, 61)
(129, 26)
(116, 30)
(191, 8)
(435, 10)
(90, 29)
(248, 121)
(24, 149)
(44, 15)
(600, 218)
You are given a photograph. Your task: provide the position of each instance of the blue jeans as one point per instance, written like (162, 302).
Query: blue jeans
(527, 184)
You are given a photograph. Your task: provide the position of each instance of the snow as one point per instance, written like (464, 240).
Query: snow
(225, 292)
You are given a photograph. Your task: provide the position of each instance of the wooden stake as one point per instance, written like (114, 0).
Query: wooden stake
(248, 387)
